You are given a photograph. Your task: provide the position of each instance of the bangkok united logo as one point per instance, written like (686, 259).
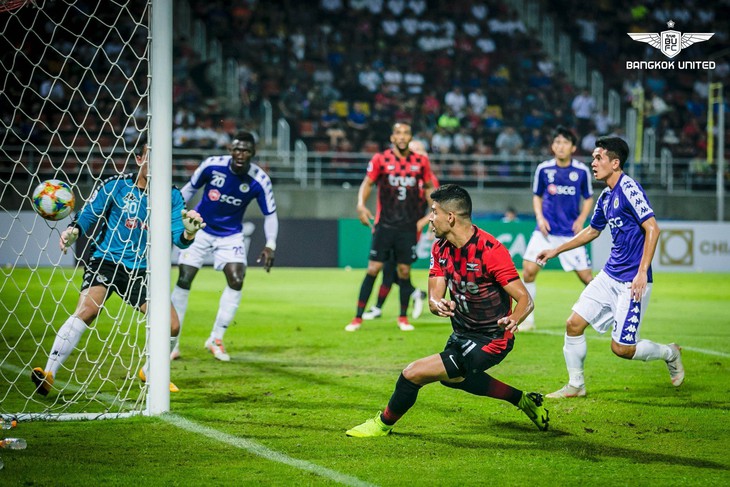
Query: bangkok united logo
(671, 42)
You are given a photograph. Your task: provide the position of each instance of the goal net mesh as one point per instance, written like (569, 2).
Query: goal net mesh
(73, 100)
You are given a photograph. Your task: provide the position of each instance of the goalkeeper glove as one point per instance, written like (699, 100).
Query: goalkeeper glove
(192, 222)
(68, 237)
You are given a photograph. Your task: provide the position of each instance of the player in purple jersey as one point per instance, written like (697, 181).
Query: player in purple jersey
(482, 282)
(618, 296)
(230, 183)
(558, 188)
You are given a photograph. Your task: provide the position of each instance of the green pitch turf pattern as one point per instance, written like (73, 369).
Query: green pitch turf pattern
(277, 413)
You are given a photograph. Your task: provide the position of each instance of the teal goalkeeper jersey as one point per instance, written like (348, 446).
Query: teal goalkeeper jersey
(116, 217)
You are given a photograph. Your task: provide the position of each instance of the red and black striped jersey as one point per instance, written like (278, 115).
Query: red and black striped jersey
(399, 181)
(475, 276)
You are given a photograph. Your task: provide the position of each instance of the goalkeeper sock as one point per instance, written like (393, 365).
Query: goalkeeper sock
(574, 351)
(66, 340)
(647, 350)
(179, 300)
(226, 312)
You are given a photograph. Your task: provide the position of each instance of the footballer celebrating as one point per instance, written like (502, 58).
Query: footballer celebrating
(230, 183)
(482, 282)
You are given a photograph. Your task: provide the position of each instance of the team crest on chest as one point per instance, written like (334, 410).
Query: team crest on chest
(573, 176)
(244, 188)
(615, 203)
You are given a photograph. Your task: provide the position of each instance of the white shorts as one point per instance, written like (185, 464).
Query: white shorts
(224, 249)
(606, 303)
(571, 260)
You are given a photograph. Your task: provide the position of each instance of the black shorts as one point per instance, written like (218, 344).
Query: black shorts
(129, 284)
(401, 243)
(464, 355)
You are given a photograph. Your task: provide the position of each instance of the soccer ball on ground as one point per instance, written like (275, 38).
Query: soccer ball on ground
(53, 199)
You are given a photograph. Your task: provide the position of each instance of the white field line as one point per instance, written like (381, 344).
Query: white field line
(235, 441)
(262, 451)
(704, 351)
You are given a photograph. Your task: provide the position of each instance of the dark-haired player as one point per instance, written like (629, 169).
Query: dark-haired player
(230, 183)
(617, 298)
(115, 218)
(482, 281)
(400, 176)
(558, 188)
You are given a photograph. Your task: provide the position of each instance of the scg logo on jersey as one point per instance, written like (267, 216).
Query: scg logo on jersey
(215, 195)
(560, 189)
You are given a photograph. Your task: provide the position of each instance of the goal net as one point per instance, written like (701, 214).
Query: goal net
(73, 100)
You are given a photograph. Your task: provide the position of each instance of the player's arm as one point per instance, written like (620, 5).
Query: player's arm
(651, 237)
(437, 302)
(588, 234)
(271, 231)
(542, 223)
(585, 210)
(517, 290)
(363, 213)
(89, 215)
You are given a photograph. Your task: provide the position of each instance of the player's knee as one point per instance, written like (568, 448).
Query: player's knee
(623, 351)
(185, 279)
(574, 325)
(236, 283)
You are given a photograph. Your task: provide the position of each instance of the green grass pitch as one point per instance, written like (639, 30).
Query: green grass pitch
(276, 414)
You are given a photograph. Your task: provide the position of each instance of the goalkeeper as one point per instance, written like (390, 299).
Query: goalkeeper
(115, 217)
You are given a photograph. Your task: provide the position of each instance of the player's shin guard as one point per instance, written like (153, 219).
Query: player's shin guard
(574, 351)
(403, 398)
(66, 340)
(406, 289)
(483, 384)
(365, 290)
(226, 312)
(647, 350)
(179, 300)
(382, 294)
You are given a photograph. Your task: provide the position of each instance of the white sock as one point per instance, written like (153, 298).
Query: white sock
(575, 351)
(179, 300)
(226, 312)
(66, 340)
(532, 289)
(647, 350)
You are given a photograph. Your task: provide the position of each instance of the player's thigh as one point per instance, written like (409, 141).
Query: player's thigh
(131, 286)
(404, 247)
(538, 242)
(201, 247)
(463, 355)
(229, 250)
(426, 370)
(91, 300)
(595, 304)
(628, 314)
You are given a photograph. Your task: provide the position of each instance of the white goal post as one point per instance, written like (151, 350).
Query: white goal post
(80, 82)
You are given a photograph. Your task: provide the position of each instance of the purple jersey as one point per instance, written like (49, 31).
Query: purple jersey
(226, 195)
(561, 190)
(623, 208)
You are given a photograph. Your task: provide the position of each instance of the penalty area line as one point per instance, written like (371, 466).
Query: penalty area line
(684, 347)
(262, 451)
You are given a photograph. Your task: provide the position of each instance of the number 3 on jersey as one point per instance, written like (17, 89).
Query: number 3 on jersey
(401, 193)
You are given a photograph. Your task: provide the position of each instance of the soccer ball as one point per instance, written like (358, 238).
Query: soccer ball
(53, 199)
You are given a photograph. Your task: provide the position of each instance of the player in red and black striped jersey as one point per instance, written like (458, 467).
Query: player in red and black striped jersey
(401, 176)
(482, 282)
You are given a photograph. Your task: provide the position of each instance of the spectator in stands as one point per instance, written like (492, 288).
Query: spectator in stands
(463, 141)
(509, 142)
(456, 101)
(583, 107)
(449, 121)
(357, 125)
(477, 101)
(442, 141)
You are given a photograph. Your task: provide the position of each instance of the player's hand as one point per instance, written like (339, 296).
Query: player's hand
(192, 221)
(421, 224)
(544, 226)
(442, 307)
(638, 286)
(267, 255)
(577, 227)
(68, 237)
(544, 256)
(365, 216)
(508, 323)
